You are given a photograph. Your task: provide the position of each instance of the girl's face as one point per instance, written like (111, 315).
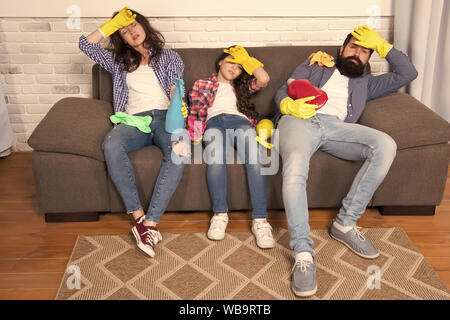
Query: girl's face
(133, 34)
(229, 71)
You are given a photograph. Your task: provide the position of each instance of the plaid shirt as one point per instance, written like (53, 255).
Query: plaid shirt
(201, 97)
(168, 66)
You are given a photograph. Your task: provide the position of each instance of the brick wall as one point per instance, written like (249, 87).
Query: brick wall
(40, 62)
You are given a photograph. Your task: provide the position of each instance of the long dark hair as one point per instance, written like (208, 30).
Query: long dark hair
(242, 88)
(126, 55)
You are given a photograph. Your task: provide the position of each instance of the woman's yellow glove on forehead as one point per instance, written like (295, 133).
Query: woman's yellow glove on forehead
(124, 18)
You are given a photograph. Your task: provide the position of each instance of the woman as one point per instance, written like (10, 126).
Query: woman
(142, 72)
(221, 107)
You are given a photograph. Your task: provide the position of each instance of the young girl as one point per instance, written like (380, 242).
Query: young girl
(222, 102)
(142, 73)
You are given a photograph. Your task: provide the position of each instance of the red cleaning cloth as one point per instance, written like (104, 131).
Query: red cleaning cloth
(302, 88)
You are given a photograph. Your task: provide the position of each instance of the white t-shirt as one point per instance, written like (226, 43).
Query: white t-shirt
(144, 91)
(337, 91)
(224, 102)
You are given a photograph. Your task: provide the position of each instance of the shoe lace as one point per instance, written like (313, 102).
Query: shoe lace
(302, 264)
(263, 229)
(152, 237)
(357, 230)
(217, 221)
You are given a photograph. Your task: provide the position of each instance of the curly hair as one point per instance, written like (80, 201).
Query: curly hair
(127, 55)
(242, 88)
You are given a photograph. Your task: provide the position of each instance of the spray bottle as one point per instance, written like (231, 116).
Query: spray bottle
(174, 117)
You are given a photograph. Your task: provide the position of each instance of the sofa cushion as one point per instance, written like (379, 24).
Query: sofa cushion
(409, 122)
(75, 126)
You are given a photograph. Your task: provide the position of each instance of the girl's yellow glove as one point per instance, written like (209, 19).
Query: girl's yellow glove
(264, 130)
(124, 18)
(241, 56)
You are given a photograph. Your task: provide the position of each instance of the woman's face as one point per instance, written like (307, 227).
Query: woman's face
(229, 70)
(133, 34)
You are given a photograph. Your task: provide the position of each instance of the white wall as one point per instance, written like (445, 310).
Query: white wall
(198, 8)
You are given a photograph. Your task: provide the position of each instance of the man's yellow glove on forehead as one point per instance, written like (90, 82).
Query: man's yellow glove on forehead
(368, 38)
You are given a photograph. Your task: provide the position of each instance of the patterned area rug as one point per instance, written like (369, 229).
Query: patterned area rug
(190, 266)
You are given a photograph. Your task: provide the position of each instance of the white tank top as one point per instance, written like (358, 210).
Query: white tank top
(224, 102)
(337, 92)
(144, 91)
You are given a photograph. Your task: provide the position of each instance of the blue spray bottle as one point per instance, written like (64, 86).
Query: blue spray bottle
(174, 117)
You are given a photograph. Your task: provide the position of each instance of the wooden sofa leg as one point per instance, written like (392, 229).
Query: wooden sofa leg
(407, 210)
(71, 217)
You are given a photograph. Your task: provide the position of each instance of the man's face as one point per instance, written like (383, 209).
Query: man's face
(353, 50)
(352, 59)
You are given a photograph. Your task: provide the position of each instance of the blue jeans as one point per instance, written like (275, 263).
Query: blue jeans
(300, 138)
(123, 139)
(219, 142)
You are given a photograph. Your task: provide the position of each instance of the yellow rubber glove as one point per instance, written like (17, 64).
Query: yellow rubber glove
(241, 56)
(184, 110)
(298, 108)
(124, 18)
(322, 59)
(198, 140)
(369, 38)
(264, 130)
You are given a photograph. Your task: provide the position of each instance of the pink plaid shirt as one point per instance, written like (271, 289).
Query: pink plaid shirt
(201, 97)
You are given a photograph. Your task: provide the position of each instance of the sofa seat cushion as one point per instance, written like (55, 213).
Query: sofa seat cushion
(409, 122)
(75, 126)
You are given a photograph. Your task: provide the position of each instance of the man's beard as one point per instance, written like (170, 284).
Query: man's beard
(349, 68)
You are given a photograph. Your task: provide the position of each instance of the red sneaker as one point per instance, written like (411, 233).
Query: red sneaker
(146, 237)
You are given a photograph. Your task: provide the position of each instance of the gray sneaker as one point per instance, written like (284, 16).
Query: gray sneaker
(355, 241)
(304, 282)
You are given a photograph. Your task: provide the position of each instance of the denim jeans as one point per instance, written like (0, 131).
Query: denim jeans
(123, 139)
(300, 138)
(219, 147)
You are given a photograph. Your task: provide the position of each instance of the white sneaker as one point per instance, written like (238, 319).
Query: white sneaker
(263, 233)
(218, 225)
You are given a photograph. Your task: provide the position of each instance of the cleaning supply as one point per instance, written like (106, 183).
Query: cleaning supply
(322, 59)
(175, 116)
(298, 108)
(142, 123)
(196, 129)
(124, 18)
(241, 56)
(302, 88)
(264, 130)
(369, 38)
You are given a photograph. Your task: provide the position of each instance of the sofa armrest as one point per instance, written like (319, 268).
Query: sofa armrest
(408, 121)
(75, 126)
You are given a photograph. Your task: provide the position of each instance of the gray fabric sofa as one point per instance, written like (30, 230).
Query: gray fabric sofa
(72, 182)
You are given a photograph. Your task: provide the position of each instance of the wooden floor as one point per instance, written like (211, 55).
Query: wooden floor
(34, 254)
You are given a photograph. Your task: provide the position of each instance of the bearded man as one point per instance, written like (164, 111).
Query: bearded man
(333, 129)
